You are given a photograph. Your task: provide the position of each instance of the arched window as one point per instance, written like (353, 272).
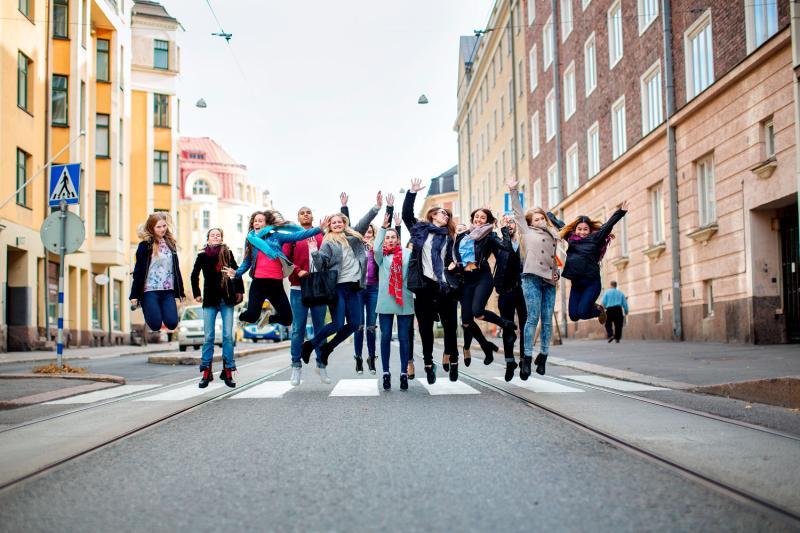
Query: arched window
(201, 187)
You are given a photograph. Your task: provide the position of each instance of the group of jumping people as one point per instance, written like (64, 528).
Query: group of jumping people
(379, 282)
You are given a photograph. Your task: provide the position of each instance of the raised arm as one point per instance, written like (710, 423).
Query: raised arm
(282, 238)
(378, 247)
(606, 228)
(363, 224)
(558, 223)
(516, 207)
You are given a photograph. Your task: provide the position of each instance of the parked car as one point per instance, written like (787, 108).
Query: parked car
(273, 332)
(190, 330)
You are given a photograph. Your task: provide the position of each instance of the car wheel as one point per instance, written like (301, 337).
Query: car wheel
(276, 340)
(182, 348)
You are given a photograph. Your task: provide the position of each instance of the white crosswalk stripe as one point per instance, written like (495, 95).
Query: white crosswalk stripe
(356, 387)
(445, 386)
(181, 393)
(268, 389)
(106, 394)
(540, 385)
(617, 384)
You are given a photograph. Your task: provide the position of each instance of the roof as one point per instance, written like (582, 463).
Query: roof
(213, 152)
(444, 182)
(150, 8)
(467, 46)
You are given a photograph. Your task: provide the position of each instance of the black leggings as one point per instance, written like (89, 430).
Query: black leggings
(429, 303)
(478, 286)
(267, 289)
(510, 303)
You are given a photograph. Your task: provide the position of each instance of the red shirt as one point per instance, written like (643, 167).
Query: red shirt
(298, 253)
(267, 268)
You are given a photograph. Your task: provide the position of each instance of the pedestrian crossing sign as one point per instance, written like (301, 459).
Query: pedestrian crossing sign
(65, 181)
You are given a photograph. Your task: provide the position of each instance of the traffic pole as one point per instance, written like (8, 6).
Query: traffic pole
(62, 246)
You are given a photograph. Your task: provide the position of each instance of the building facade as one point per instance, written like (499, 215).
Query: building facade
(443, 192)
(698, 133)
(215, 192)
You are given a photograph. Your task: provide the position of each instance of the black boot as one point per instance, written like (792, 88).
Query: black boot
(324, 352)
(453, 371)
(525, 367)
(511, 366)
(227, 376)
(371, 365)
(387, 381)
(541, 359)
(359, 365)
(430, 374)
(305, 351)
(207, 377)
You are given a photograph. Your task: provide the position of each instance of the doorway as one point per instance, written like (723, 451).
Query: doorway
(790, 270)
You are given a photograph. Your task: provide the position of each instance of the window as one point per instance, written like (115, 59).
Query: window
(522, 140)
(25, 8)
(651, 99)
(659, 306)
(573, 177)
(102, 143)
(82, 108)
(206, 219)
(762, 21)
(161, 110)
(97, 306)
(553, 185)
(618, 135)
(590, 64)
(566, 19)
(61, 19)
(537, 193)
(121, 67)
(494, 74)
(494, 122)
(708, 299)
(22, 176)
(240, 224)
(706, 197)
(161, 54)
(510, 96)
(502, 111)
(512, 148)
(533, 68)
(623, 236)
(593, 150)
(531, 12)
(648, 11)
(657, 214)
(101, 226)
(161, 167)
(585, 3)
(769, 138)
(547, 43)
(201, 187)
(117, 316)
(614, 34)
(550, 115)
(699, 56)
(24, 71)
(500, 57)
(521, 76)
(103, 62)
(60, 100)
(84, 23)
(569, 91)
(535, 135)
(120, 218)
(121, 143)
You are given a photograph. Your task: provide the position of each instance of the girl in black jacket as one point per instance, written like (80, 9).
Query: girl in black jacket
(220, 295)
(157, 277)
(588, 240)
(508, 284)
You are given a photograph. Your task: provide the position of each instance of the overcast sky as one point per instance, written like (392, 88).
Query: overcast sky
(326, 97)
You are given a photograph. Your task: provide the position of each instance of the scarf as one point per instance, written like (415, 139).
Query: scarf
(212, 250)
(270, 247)
(419, 233)
(395, 272)
(479, 232)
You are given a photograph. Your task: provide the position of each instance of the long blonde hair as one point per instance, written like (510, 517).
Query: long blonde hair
(341, 238)
(147, 231)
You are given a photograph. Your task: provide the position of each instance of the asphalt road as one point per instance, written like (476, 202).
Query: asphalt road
(396, 461)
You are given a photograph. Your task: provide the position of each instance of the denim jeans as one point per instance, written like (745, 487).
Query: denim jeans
(582, 297)
(404, 324)
(209, 319)
(159, 308)
(300, 313)
(368, 316)
(345, 316)
(540, 299)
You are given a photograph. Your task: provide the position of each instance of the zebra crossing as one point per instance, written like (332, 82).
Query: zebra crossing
(363, 387)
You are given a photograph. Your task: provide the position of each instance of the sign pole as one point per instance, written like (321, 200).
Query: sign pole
(62, 252)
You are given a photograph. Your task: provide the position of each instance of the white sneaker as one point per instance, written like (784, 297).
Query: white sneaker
(296, 371)
(323, 375)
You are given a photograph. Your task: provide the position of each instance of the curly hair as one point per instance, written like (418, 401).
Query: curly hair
(147, 231)
(569, 229)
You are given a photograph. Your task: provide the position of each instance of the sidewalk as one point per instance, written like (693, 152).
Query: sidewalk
(99, 352)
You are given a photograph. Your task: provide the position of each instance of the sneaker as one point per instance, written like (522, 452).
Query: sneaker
(410, 369)
(387, 381)
(430, 374)
(403, 382)
(359, 366)
(511, 366)
(323, 376)
(296, 372)
(371, 365)
(602, 317)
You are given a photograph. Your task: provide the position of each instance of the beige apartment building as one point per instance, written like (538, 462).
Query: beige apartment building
(443, 192)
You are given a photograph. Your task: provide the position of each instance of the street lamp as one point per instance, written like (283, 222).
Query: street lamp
(201, 104)
(422, 99)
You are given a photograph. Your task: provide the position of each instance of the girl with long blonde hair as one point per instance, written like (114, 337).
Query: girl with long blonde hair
(157, 277)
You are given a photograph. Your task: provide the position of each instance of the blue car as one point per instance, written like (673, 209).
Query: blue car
(273, 332)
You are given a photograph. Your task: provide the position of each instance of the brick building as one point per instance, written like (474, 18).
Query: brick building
(601, 114)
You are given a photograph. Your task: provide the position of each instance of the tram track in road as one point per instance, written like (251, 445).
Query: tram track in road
(740, 495)
(133, 431)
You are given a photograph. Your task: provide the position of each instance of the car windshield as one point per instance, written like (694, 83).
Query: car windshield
(192, 313)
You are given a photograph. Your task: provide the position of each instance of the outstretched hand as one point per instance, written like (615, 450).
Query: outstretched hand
(397, 219)
(379, 199)
(390, 199)
(387, 220)
(512, 184)
(343, 197)
(325, 222)
(416, 185)
(625, 205)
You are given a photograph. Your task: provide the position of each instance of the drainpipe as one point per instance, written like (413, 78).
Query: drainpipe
(46, 157)
(556, 66)
(675, 248)
(794, 7)
(513, 102)
(468, 169)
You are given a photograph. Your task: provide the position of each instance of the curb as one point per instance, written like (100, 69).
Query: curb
(195, 359)
(106, 378)
(50, 396)
(68, 357)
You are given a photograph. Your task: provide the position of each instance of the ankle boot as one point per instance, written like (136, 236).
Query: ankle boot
(525, 367)
(541, 359)
(227, 376)
(511, 366)
(488, 347)
(207, 377)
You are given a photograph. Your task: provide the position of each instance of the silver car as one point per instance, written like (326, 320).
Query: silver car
(190, 330)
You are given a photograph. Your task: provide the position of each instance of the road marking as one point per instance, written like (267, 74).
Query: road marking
(181, 393)
(96, 396)
(445, 386)
(539, 385)
(356, 387)
(617, 384)
(268, 389)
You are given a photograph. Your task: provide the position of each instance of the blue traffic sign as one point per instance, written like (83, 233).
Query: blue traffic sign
(507, 202)
(65, 183)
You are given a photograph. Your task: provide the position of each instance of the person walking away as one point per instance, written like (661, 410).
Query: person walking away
(616, 308)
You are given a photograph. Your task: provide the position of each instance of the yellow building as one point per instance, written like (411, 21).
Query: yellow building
(443, 192)
(492, 107)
